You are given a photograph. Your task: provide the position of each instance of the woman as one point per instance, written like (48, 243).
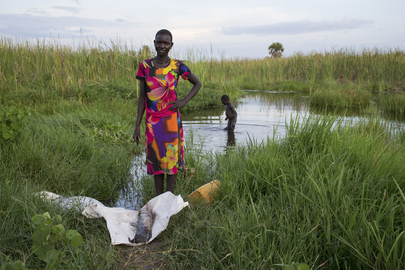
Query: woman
(158, 79)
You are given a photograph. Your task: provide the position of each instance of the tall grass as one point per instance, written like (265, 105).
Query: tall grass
(57, 151)
(393, 103)
(329, 195)
(337, 95)
(40, 70)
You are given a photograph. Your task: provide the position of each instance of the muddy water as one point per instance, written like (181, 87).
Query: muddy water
(260, 114)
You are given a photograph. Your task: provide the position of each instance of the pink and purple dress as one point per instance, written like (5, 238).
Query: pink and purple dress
(164, 132)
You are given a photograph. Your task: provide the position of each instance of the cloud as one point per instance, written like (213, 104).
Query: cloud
(76, 1)
(36, 10)
(70, 9)
(298, 27)
(30, 26)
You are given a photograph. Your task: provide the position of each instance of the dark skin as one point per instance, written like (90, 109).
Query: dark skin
(231, 115)
(163, 44)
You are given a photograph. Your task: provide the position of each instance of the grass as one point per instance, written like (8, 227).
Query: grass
(58, 152)
(40, 71)
(336, 95)
(393, 103)
(330, 195)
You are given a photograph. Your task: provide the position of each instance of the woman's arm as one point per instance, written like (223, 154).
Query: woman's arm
(141, 110)
(180, 103)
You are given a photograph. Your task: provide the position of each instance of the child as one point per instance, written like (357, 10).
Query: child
(231, 113)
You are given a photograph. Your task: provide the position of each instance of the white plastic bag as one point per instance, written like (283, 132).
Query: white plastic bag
(121, 222)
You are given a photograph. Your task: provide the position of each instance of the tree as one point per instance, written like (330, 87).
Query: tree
(276, 49)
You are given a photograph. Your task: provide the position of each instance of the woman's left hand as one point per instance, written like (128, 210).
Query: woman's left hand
(177, 104)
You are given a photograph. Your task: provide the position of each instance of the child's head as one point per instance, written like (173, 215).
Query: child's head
(225, 99)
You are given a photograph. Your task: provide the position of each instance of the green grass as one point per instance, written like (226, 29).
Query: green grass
(393, 103)
(57, 151)
(336, 95)
(329, 195)
(332, 199)
(39, 71)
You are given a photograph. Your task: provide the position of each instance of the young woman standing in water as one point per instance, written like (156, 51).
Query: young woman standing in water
(158, 78)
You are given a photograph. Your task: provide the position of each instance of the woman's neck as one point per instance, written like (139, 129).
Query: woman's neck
(162, 59)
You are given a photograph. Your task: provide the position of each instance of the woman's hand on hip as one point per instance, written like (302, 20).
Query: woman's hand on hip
(177, 104)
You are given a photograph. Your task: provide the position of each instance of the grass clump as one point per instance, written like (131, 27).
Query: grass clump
(329, 195)
(393, 103)
(336, 95)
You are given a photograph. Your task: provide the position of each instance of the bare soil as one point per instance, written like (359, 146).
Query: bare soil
(148, 256)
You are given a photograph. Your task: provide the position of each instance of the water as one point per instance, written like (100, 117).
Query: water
(260, 115)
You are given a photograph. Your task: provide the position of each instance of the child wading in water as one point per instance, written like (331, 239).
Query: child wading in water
(231, 113)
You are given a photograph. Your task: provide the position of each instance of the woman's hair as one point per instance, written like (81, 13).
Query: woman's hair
(225, 98)
(164, 32)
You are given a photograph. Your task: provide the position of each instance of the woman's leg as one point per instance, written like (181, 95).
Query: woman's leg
(171, 182)
(159, 184)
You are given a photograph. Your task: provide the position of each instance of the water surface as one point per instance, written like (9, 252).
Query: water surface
(260, 115)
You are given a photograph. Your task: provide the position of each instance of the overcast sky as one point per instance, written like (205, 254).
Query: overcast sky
(232, 28)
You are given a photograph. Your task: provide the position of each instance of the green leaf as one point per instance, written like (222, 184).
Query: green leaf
(46, 227)
(41, 250)
(77, 241)
(58, 229)
(37, 219)
(16, 126)
(51, 255)
(302, 266)
(58, 219)
(46, 214)
(6, 135)
(17, 265)
(70, 234)
(13, 118)
(39, 236)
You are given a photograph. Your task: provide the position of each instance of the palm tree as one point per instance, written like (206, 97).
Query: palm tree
(275, 49)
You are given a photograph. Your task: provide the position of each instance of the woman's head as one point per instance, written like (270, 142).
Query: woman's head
(164, 32)
(163, 42)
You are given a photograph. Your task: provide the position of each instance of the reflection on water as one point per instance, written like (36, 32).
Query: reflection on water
(260, 114)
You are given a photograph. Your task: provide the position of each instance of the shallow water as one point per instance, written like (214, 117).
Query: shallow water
(260, 115)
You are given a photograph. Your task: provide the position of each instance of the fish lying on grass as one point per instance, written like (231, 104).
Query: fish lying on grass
(144, 226)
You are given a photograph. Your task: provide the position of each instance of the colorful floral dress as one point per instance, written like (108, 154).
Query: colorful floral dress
(164, 132)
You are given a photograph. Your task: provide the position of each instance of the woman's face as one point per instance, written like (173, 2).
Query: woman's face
(163, 44)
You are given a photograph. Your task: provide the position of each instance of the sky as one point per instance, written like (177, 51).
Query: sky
(224, 28)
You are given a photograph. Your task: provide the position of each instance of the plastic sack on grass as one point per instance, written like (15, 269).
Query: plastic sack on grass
(122, 223)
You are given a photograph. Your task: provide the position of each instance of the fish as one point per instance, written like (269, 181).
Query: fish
(144, 227)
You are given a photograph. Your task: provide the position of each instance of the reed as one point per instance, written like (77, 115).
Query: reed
(337, 95)
(42, 70)
(393, 103)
